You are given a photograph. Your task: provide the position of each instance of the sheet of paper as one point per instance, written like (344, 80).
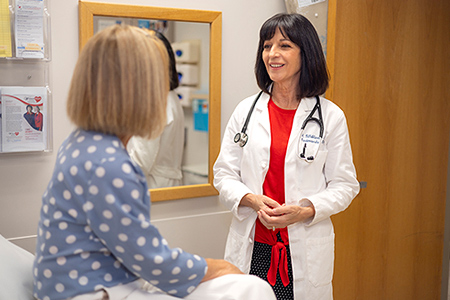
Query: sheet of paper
(23, 119)
(302, 3)
(29, 28)
(1, 120)
(5, 29)
(316, 11)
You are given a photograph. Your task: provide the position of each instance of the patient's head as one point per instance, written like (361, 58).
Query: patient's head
(120, 83)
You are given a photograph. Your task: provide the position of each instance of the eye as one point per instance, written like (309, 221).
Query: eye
(286, 46)
(267, 46)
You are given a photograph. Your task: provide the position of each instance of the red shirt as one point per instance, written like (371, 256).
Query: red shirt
(38, 121)
(280, 127)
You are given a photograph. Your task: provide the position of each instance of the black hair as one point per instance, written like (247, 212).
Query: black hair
(314, 77)
(173, 74)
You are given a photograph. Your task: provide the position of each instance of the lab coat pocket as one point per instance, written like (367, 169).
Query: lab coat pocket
(320, 260)
(311, 173)
(233, 251)
(319, 160)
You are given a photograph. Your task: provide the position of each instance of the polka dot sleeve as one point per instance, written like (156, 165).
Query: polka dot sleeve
(117, 211)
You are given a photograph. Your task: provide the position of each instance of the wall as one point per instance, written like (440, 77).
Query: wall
(197, 225)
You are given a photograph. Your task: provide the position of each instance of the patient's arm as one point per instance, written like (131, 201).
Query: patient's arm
(219, 267)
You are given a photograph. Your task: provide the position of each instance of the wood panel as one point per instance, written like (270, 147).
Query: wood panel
(391, 76)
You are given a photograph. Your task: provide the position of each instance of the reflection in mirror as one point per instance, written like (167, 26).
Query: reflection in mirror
(180, 155)
(195, 37)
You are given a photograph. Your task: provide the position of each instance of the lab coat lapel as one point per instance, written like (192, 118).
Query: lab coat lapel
(263, 112)
(304, 108)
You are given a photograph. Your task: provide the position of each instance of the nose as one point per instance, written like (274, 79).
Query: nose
(273, 51)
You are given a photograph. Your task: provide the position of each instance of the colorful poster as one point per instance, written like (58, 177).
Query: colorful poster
(23, 119)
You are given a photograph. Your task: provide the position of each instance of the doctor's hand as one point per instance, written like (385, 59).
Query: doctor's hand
(285, 215)
(259, 202)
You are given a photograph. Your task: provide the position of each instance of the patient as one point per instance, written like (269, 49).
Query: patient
(95, 239)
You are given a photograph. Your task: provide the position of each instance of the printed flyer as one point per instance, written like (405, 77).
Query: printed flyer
(29, 28)
(23, 118)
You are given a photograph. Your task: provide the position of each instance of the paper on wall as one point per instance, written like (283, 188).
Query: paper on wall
(23, 119)
(316, 11)
(302, 3)
(29, 28)
(5, 29)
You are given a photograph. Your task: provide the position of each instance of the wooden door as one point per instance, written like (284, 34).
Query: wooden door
(390, 66)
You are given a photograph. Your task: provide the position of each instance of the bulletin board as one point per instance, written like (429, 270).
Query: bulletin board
(25, 93)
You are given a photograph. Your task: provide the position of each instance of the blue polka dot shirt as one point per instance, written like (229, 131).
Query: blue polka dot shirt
(95, 231)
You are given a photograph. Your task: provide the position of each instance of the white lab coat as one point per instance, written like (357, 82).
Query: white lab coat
(329, 183)
(161, 158)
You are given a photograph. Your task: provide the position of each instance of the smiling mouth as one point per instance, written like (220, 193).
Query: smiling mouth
(276, 65)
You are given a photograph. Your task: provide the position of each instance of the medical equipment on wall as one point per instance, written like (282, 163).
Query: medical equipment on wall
(242, 137)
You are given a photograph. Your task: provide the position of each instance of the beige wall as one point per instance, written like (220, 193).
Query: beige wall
(197, 225)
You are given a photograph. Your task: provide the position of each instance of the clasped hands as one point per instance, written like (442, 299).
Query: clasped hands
(273, 215)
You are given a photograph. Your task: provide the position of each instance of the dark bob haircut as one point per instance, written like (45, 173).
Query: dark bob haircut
(173, 74)
(314, 76)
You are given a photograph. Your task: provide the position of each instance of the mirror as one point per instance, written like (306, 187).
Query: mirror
(90, 11)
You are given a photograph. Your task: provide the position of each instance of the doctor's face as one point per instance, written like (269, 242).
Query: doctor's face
(281, 57)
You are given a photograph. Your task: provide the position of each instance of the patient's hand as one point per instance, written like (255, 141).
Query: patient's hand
(219, 267)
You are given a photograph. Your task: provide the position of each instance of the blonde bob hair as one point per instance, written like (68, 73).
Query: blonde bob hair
(120, 84)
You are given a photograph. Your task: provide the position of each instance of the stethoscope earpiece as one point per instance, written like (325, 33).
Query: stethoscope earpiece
(309, 158)
(319, 121)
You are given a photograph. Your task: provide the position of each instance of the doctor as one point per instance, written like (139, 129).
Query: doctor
(286, 166)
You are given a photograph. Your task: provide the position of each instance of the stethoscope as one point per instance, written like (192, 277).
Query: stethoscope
(242, 138)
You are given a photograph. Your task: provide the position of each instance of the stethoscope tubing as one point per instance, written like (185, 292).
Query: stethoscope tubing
(242, 137)
(252, 108)
(311, 118)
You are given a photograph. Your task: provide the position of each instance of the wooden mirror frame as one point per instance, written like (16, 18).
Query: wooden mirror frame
(87, 11)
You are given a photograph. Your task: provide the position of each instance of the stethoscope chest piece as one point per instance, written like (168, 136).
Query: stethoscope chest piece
(241, 138)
